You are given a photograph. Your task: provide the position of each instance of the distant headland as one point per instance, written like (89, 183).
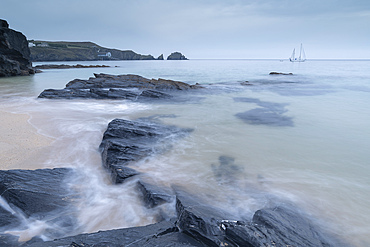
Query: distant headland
(86, 51)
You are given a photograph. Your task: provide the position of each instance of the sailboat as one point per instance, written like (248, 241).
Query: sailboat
(301, 58)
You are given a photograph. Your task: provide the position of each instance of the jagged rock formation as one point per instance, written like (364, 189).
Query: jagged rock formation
(79, 51)
(131, 87)
(14, 52)
(160, 57)
(127, 141)
(197, 222)
(176, 56)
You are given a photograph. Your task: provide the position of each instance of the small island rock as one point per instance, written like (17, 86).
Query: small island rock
(176, 56)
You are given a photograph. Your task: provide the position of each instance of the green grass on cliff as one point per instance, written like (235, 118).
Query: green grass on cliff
(78, 51)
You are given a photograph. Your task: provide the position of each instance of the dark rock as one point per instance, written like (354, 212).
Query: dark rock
(280, 73)
(121, 173)
(4, 24)
(200, 220)
(128, 81)
(153, 195)
(198, 223)
(279, 226)
(104, 86)
(176, 56)
(126, 141)
(160, 57)
(35, 191)
(7, 218)
(37, 195)
(161, 234)
(154, 94)
(8, 240)
(14, 52)
(65, 66)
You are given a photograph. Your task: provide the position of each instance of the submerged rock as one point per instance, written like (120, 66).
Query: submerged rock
(269, 113)
(14, 52)
(104, 86)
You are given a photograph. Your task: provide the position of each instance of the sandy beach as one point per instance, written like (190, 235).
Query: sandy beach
(20, 144)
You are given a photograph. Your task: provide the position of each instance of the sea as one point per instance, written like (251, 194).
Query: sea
(301, 139)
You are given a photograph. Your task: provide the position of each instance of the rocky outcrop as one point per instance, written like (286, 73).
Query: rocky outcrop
(279, 73)
(160, 57)
(127, 141)
(66, 66)
(197, 222)
(176, 56)
(200, 224)
(14, 52)
(131, 87)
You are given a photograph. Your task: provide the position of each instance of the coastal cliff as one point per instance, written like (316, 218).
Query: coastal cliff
(79, 51)
(14, 52)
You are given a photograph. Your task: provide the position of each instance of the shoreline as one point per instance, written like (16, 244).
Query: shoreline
(21, 147)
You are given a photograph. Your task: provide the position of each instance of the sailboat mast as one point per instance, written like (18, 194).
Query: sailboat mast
(293, 56)
(302, 55)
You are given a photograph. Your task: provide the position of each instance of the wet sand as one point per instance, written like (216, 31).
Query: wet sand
(21, 147)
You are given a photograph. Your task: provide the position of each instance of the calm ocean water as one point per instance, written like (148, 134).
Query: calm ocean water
(302, 138)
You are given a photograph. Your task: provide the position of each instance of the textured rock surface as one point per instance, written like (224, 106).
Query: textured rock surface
(127, 141)
(176, 56)
(153, 195)
(279, 226)
(14, 52)
(200, 224)
(35, 191)
(128, 81)
(33, 195)
(197, 223)
(131, 87)
(161, 234)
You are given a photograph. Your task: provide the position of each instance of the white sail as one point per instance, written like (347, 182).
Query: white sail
(292, 56)
(301, 58)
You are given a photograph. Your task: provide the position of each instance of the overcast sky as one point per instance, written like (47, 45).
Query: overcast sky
(201, 28)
